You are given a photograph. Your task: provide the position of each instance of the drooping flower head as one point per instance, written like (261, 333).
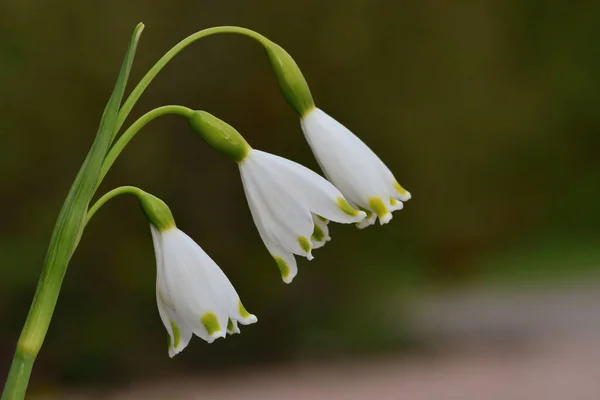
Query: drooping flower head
(345, 160)
(290, 204)
(192, 293)
(353, 167)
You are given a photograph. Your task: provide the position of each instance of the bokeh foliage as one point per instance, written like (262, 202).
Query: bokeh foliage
(487, 111)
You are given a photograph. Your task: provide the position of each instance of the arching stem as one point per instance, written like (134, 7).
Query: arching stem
(129, 134)
(164, 60)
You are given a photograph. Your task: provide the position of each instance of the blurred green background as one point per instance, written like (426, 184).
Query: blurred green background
(487, 111)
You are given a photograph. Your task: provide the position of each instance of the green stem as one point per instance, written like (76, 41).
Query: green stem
(129, 134)
(18, 376)
(113, 193)
(160, 64)
(65, 236)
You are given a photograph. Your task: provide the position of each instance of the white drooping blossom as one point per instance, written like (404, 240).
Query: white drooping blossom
(193, 294)
(353, 168)
(291, 206)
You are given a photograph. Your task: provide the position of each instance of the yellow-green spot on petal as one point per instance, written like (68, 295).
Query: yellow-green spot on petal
(318, 235)
(242, 309)
(176, 335)
(211, 323)
(283, 267)
(323, 220)
(400, 189)
(378, 206)
(230, 326)
(393, 201)
(304, 243)
(346, 207)
(368, 212)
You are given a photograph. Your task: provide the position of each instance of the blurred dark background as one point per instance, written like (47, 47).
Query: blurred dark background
(487, 111)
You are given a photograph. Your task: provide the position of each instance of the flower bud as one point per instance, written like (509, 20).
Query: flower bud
(290, 78)
(157, 212)
(219, 135)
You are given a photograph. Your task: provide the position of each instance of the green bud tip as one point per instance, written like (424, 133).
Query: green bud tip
(290, 79)
(219, 135)
(157, 212)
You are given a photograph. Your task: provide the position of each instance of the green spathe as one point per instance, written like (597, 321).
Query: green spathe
(290, 78)
(157, 212)
(219, 135)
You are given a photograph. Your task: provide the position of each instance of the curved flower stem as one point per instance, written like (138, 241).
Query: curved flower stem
(113, 193)
(126, 137)
(160, 64)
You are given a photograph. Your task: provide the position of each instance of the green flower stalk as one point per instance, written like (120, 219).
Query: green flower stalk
(289, 77)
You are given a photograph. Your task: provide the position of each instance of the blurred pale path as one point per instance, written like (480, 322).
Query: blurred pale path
(552, 372)
(543, 343)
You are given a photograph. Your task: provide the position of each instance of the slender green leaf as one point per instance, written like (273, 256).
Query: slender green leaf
(65, 237)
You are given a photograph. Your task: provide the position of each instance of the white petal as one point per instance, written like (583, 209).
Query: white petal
(395, 204)
(320, 234)
(314, 191)
(177, 340)
(348, 162)
(394, 189)
(243, 316)
(370, 220)
(285, 261)
(235, 310)
(232, 327)
(189, 285)
(284, 218)
(158, 252)
(179, 333)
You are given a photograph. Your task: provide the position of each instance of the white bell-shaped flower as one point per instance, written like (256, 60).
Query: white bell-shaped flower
(194, 296)
(291, 206)
(353, 168)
